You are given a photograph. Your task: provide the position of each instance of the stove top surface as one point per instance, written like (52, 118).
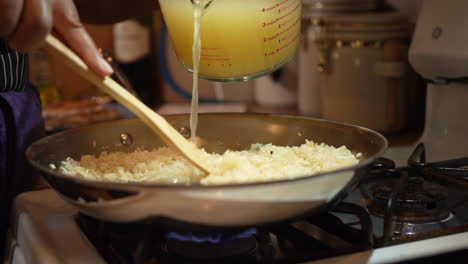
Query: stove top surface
(413, 214)
(46, 230)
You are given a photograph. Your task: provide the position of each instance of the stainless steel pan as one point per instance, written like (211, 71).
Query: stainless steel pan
(222, 206)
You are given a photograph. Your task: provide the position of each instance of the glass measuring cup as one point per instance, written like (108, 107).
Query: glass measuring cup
(240, 39)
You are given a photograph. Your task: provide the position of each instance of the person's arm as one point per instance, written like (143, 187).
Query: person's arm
(112, 11)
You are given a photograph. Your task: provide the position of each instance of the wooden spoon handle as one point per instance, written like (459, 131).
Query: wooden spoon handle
(156, 122)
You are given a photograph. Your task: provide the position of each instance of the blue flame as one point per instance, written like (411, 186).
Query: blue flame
(211, 237)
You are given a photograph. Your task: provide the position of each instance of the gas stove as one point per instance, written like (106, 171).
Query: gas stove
(411, 213)
(149, 242)
(414, 214)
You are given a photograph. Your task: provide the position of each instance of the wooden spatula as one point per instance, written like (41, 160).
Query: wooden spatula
(116, 91)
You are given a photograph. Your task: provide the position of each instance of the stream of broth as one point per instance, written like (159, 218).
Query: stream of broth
(198, 11)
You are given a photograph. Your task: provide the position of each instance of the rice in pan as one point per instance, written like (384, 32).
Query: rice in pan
(260, 163)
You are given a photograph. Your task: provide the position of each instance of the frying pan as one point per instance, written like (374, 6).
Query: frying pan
(221, 205)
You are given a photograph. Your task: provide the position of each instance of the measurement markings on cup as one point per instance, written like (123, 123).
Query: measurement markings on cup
(274, 21)
(287, 30)
(283, 9)
(288, 16)
(273, 7)
(288, 44)
(209, 56)
(287, 37)
(280, 25)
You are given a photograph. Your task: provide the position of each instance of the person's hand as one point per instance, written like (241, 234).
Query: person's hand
(25, 24)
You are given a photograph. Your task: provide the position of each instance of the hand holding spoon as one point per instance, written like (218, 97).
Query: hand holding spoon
(156, 122)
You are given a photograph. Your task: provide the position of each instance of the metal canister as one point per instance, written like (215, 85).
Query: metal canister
(309, 54)
(363, 69)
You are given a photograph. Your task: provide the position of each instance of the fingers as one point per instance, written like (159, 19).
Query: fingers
(33, 25)
(25, 24)
(68, 25)
(10, 13)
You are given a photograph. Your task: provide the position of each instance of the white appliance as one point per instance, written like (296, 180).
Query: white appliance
(439, 52)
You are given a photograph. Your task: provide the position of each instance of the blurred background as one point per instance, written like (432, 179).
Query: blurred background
(351, 66)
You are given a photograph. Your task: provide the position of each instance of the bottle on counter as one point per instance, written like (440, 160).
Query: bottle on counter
(134, 49)
(42, 74)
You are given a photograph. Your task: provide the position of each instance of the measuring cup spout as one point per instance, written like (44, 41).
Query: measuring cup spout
(204, 3)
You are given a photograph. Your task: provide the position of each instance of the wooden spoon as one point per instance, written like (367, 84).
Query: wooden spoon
(116, 91)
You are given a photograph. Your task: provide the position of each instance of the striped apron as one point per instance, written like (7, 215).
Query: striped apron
(20, 125)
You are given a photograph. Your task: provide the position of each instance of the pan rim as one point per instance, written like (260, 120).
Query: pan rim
(145, 185)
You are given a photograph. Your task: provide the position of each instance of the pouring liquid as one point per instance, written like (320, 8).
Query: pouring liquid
(198, 11)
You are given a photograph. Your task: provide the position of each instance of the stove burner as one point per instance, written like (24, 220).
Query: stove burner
(322, 236)
(414, 199)
(419, 201)
(211, 237)
(203, 247)
(237, 250)
(402, 229)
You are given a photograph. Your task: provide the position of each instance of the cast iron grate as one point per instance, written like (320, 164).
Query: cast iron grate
(146, 242)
